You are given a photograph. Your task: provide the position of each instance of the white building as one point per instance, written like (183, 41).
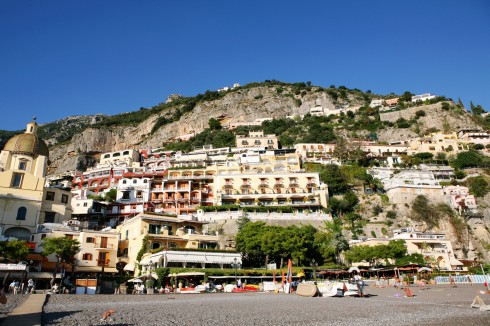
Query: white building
(422, 97)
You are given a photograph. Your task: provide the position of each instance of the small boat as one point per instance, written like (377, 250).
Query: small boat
(337, 289)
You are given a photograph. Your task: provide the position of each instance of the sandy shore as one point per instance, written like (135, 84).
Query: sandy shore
(13, 300)
(435, 306)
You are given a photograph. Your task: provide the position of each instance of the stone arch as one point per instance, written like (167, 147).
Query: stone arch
(19, 233)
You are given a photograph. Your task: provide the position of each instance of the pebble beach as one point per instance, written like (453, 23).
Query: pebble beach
(435, 306)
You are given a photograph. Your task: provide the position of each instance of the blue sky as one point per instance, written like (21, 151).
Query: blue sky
(62, 58)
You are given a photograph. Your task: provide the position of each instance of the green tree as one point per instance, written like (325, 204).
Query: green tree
(476, 110)
(242, 220)
(331, 242)
(63, 248)
(406, 97)
(249, 243)
(214, 124)
(111, 195)
(332, 176)
(478, 186)
(467, 159)
(13, 250)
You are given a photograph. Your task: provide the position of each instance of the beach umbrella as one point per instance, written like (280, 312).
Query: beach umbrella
(353, 268)
(290, 271)
(426, 269)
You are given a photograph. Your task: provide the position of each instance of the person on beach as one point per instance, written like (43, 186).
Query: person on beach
(30, 285)
(451, 281)
(360, 286)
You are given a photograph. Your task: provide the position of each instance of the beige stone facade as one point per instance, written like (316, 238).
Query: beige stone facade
(163, 232)
(257, 139)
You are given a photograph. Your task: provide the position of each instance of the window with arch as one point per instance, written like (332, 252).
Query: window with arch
(155, 245)
(23, 165)
(172, 245)
(189, 229)
(21, 213)
(135, 181)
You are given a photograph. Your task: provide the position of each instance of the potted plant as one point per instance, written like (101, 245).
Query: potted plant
(150, 286)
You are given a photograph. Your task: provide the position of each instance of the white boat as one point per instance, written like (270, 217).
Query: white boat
(336, 289)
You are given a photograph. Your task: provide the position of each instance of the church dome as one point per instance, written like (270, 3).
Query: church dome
(28, 143)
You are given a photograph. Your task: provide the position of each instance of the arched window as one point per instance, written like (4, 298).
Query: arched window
(189, 229)
(155, 245)
(21, 213)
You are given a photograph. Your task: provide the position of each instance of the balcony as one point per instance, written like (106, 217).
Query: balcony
(263, 185)
(104, 263)
(104, 246)
(228, 186)
(311, 184)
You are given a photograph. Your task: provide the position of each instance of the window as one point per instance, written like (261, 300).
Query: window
(49, 217)
(135, 181)
(43, 236)
(125, 195)
(85, 204)
(126, 153)
(17, 180)
(64, 199)
(50, 195)
(116, 154)
(124, 182)
(90, 240)
(22, 165)
(155, 245)
(21, 213)
(87, 257)
(102, 261)
(107, 155)
(127, 234)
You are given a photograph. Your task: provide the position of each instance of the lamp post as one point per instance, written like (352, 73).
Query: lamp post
(314, 265)
(235, 266)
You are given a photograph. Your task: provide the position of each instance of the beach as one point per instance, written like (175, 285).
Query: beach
(437, 305)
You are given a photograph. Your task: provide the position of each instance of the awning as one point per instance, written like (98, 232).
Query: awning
(454, 261)
(42, 275)
(129, 267)
(95, 269)
(188, 274)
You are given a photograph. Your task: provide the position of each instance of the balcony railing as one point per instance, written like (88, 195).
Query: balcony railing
(104, 245)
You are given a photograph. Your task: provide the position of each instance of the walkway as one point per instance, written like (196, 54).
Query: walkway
(29, 313)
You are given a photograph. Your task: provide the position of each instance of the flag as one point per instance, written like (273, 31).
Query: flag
(290, 271)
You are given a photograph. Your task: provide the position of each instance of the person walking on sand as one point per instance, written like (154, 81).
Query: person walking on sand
(451, 281)
(30, 285)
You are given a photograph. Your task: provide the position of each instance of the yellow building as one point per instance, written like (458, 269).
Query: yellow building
(438, 143)
(97, 248)
(164, 232)
(301, 190)
(257, 139)
(23, 164)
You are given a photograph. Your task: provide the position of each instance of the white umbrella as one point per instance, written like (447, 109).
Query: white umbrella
(351, 269)
(421, 269)
(135, 280)
(148, 275)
